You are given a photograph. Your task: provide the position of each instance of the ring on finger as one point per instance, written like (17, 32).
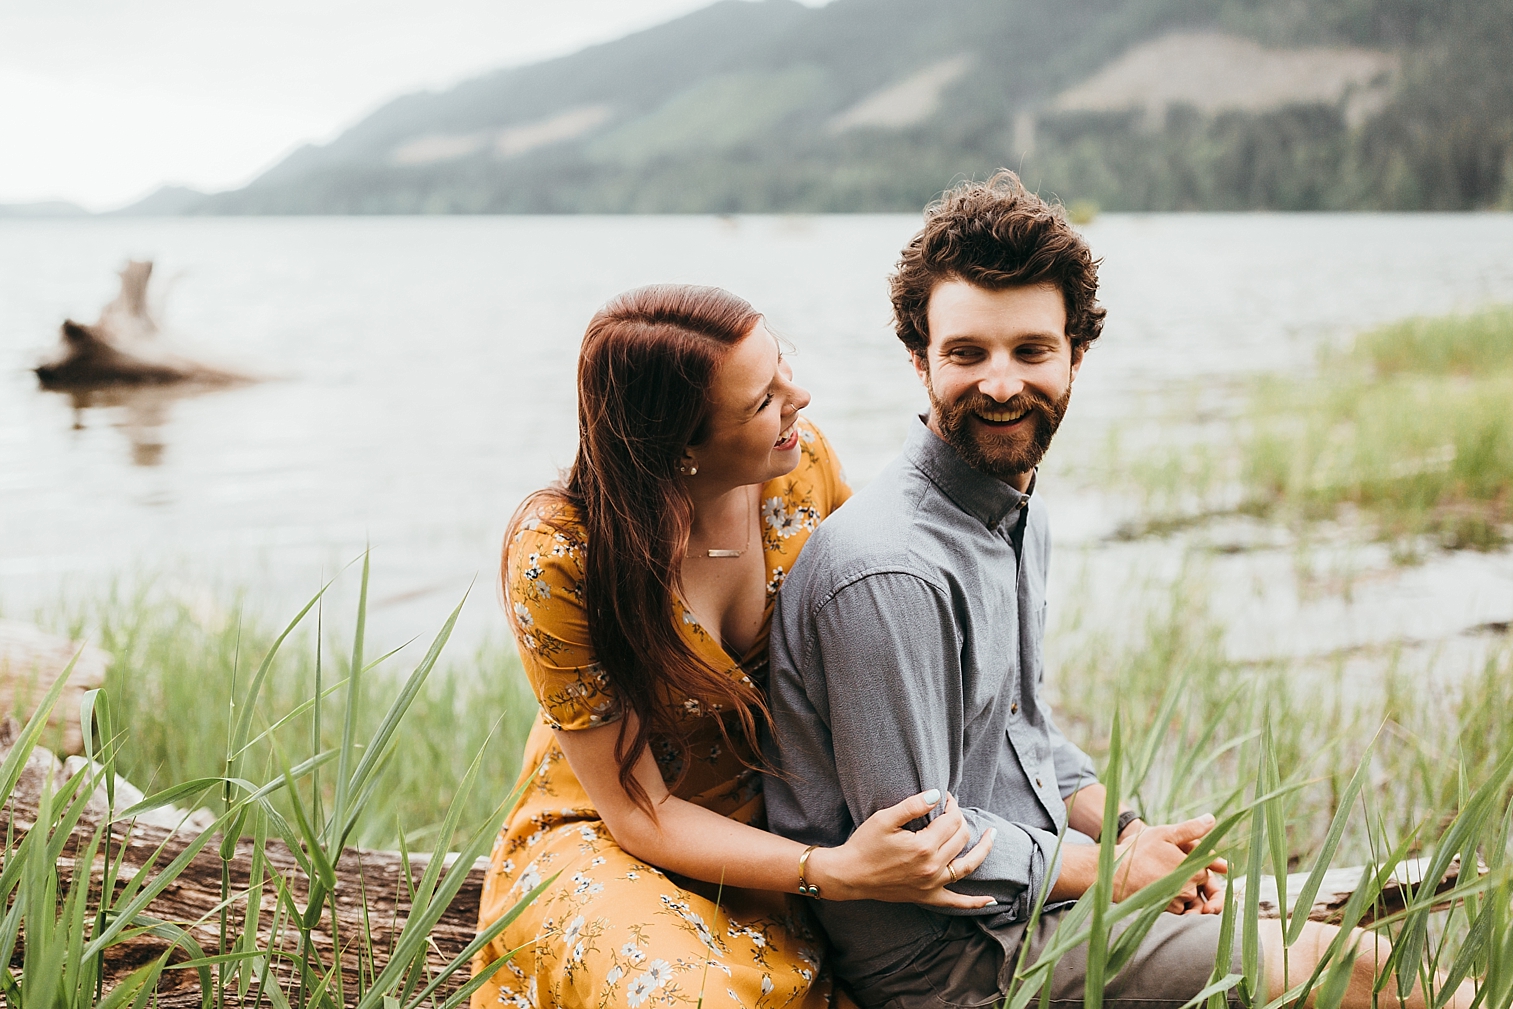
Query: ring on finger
(951, 868)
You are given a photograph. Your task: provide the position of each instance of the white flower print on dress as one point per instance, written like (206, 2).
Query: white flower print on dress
(574, 930)
(529, 879)
(659, 971)
(773, 512)
(639, 991)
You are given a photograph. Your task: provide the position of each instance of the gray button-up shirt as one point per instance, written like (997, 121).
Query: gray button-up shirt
(906, 655)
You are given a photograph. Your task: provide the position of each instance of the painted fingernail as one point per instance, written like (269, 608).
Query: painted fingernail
(990, 902)
(992, 833)
(932, 796)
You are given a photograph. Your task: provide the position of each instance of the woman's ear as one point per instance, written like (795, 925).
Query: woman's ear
(688, 465)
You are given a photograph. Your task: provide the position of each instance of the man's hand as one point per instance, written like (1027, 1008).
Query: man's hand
(1146, 855)
(1150, 853)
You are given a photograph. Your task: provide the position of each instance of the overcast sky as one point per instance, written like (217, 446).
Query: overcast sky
(101, 101)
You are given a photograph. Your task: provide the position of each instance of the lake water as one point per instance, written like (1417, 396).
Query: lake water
(419, 381)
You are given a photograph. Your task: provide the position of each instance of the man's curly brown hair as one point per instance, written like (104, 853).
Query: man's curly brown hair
(996, 234)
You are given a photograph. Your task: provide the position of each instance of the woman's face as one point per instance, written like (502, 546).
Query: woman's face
(753, 403)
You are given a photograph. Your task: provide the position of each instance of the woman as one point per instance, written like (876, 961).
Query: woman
(641, 591)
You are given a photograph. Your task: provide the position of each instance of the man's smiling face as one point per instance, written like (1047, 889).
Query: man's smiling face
(999, 369)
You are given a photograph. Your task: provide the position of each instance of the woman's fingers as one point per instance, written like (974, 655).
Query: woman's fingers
(943, 826)
(968, 863)
(913, 808)
(950, 898)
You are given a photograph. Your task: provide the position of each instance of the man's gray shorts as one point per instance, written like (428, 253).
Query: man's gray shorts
(970, 966)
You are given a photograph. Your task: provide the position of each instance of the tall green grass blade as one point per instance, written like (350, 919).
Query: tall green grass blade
(354, 705)
(315, 699)
(1373, 879)
(416, 934)
(385, 732)
(15, 761)
(1276, 832)
(94, 716)
(478, 980)
(172, 796)
(1224, 955)
(1472, 948)
(143, 979)
(243, 722)
(1103, 889)
(1250, 940)
(1213, 989)
(325, 872)
(75, 913)
(146, 895)
(247, 939)
(1326, 851)
(484, 937)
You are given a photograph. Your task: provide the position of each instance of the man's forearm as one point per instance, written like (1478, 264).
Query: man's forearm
(1079, 871)
(1084, 811)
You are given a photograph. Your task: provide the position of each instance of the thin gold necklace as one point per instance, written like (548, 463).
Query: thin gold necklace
(716, 552)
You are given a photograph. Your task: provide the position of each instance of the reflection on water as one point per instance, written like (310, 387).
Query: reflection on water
(141, 413)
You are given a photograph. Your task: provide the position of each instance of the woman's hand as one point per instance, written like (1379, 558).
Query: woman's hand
(883, 860)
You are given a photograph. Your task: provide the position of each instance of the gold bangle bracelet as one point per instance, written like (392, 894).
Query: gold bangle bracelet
(807, 889)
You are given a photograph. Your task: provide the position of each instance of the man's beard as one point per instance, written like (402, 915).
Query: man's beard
(996, 455)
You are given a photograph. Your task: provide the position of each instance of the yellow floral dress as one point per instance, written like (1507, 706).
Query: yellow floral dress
(612, 930)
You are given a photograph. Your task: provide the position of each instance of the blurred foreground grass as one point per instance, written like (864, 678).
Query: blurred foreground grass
(1412, 427)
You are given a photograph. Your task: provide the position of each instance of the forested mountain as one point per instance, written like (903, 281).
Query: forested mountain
(867, 105)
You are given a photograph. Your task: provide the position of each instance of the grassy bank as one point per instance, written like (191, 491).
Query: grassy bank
(1411, 429)
(175, 669)
(172, 680)
(1422, 723)
(1296, 784)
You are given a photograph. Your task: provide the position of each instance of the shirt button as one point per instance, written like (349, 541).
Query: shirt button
(1014, 708)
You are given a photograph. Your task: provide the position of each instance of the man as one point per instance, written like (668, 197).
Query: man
(906, 651)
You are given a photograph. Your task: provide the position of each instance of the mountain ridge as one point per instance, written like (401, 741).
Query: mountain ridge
(762, 105)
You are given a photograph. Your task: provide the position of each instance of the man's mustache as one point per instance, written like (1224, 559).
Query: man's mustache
(977, 403)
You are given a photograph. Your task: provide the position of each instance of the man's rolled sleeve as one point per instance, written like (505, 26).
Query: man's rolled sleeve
(890, 652)
(1074, 769)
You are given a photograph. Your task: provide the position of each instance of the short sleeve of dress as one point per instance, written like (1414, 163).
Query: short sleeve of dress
(543, 583)
(827, 474)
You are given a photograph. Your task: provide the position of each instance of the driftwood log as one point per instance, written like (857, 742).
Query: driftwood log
(371, 894)
(1337, 885)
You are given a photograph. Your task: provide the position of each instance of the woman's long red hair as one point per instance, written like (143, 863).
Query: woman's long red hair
(644, 374)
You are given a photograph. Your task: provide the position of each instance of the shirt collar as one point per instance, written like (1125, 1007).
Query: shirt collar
(984, 497)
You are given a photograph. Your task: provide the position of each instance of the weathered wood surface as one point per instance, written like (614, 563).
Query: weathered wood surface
(1338, 884)
(371, 879)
